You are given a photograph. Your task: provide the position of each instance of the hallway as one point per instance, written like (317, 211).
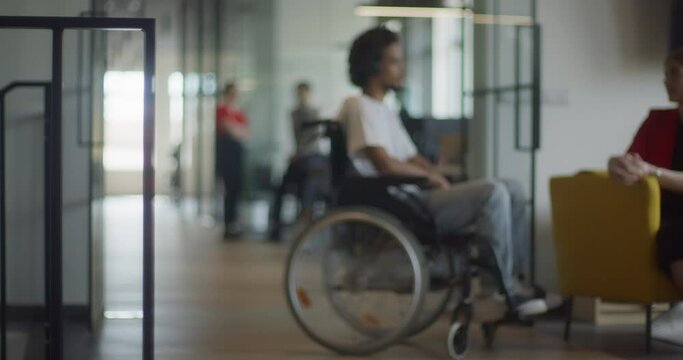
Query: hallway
(224, 300)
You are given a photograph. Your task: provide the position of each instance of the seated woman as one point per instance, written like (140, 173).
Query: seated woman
(657, 150)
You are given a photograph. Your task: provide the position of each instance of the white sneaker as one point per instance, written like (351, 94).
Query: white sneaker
(531, 300)
(669, 326)
(492, 308)
(528, 306)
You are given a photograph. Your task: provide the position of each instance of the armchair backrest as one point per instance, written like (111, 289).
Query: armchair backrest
(605, 236)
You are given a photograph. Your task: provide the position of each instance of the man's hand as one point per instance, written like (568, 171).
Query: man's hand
(628, 169)
(438, 181)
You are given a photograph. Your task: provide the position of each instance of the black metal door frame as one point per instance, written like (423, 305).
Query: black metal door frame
(53, 161)
(47, 91)
(497, 90)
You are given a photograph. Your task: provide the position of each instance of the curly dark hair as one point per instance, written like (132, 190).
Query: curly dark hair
(366, 53)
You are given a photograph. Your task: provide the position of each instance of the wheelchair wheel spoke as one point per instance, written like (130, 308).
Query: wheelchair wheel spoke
(364, 280)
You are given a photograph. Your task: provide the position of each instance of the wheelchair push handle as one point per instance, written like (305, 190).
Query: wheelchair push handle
(330, 126)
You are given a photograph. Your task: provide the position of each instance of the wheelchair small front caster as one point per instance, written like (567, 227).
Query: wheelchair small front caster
(458, 345)
(489, 332)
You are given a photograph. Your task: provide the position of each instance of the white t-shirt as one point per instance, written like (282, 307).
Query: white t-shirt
(371, 123)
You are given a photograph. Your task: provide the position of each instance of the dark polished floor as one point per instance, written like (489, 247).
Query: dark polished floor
(219, 299)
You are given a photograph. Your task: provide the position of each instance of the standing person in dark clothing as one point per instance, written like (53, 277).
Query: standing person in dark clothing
(232, 130)
(657, 150)
(308, 167)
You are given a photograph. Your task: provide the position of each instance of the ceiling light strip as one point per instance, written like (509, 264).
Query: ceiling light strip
(439, 12)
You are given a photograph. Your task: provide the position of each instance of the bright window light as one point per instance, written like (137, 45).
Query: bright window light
(123, 96)
(450, 62)
(446, 72)
(123, 119)
(176, 104)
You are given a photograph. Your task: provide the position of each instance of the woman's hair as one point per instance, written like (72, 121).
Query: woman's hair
(229, 87)
(366, 53)
(303, 86)
(675, 57)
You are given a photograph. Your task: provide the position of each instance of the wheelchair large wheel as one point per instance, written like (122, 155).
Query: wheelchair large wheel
(355, 280)
(441, 268)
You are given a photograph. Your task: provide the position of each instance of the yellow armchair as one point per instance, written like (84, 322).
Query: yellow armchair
(605, 242)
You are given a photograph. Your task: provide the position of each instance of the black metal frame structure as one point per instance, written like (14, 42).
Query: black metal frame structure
(85, 141)
(47, 90)
(497, 90)
(53, 163)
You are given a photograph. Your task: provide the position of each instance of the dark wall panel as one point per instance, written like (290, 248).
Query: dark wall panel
(676, 24)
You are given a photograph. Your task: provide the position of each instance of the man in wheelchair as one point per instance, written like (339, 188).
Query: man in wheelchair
(378, 145)
(398, 239)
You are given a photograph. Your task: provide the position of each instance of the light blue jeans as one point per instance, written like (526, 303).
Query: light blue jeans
(496, 212)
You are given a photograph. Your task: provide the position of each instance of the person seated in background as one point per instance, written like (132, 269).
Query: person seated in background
(308, 166)
(379, 145)
(657, 150)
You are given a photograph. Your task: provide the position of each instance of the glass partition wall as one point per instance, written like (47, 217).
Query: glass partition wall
(471, 99)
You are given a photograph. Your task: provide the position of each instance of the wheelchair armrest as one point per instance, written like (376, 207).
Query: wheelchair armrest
(386, 181)
(387, 194)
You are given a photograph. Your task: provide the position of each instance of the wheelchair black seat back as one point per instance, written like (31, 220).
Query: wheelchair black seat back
(398, 196)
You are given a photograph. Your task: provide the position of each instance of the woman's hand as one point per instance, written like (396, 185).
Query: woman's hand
(629, 169)
(642, 167)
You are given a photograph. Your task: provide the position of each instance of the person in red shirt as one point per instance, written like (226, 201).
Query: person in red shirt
(657, 150)
(232, 130)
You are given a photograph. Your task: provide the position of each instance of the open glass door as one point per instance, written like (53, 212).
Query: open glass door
(50, 282)
(506, 98)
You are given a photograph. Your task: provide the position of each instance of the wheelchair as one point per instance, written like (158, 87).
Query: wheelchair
(373, 271)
